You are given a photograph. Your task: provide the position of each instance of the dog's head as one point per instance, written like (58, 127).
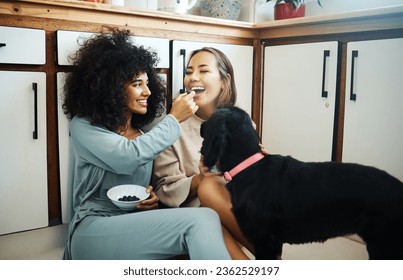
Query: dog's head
(229, 138)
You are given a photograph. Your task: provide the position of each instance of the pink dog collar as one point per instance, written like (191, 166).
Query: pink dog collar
(243, 165)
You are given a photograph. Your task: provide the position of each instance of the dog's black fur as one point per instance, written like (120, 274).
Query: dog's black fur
(282, 200)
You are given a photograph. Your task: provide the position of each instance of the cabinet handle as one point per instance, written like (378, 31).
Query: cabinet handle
(353, 96)
(326, 54)
(183, 54)
(2, 45)
(35, 88)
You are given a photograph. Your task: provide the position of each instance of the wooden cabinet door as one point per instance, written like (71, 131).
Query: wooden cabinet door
(23, 153)
(241, 58)
(373, 121)
(299, 100)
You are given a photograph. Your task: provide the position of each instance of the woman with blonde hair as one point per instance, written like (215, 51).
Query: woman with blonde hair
(179, 177)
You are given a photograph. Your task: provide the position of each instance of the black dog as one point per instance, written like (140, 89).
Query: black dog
(280, 200)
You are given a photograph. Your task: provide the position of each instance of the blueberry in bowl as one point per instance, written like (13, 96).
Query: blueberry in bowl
(127, 197)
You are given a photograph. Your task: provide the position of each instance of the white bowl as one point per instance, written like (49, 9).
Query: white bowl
(120, 191)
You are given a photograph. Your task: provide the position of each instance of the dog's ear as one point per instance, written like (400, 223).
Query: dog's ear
(202, 129)
(215, 140)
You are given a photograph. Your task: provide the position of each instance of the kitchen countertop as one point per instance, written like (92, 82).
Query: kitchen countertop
(345, 16)
(355, 21)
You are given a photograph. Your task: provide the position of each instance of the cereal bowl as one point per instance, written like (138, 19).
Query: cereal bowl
(126, 197)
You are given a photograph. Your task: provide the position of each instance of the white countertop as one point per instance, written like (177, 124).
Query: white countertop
(360, 14)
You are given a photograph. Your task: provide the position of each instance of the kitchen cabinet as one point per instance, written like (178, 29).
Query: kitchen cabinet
(299, 99)
(23, 154)
(64, 148)
(240, 56)
(373, 122)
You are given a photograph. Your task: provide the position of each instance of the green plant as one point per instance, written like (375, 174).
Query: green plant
(296, 3)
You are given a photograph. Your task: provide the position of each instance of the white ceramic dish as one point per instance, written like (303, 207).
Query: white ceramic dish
(125, 190)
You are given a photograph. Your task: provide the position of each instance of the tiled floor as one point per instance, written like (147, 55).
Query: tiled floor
(333, 249)
(40, 244)
(47, 244)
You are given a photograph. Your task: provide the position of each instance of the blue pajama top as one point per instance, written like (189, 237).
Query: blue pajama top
(101, 159)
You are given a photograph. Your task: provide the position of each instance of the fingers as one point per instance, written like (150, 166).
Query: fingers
(205, 171)
(263, 150)
(151, 202)
(185, 96)
(190, 101)
(184, 106)
(149, 189)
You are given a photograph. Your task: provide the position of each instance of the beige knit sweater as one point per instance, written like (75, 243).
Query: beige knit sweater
(175, 167)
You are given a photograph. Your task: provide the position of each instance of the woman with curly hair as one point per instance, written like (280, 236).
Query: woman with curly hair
(112, 93)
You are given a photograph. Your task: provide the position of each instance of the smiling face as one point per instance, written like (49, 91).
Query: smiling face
(137, 92)
(203, 76)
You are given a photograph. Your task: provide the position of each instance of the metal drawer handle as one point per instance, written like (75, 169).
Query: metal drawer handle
(2, 45)
(353, 96)
(326, 54)
(35, 88)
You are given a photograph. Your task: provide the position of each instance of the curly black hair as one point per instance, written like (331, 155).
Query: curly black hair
(101, 67)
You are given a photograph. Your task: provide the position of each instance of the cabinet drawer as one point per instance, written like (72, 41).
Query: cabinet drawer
(68, 42)
(15, 41)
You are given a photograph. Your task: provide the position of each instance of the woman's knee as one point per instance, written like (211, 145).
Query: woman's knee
(212, 192)
(206, 217)
(209, 188)
(209, 214)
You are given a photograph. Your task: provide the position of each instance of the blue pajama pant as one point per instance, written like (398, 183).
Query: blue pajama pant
(154, 234)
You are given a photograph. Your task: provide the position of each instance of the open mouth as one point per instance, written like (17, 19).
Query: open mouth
(142, 102)
(198, 89)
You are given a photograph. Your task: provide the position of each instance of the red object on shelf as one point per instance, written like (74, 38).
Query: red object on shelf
(287, 10)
